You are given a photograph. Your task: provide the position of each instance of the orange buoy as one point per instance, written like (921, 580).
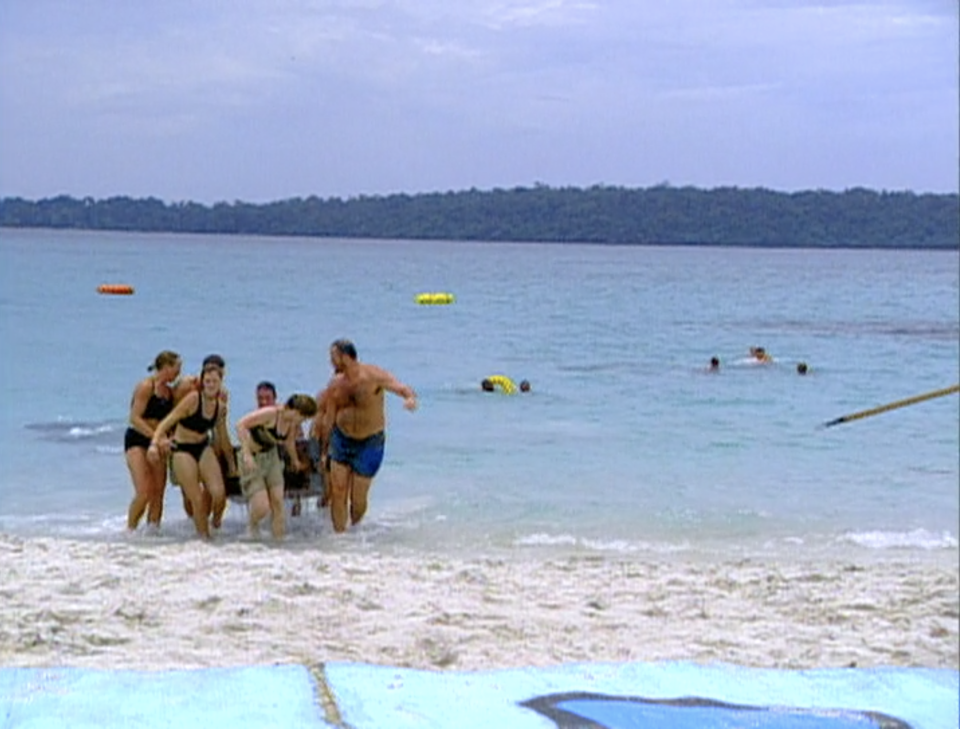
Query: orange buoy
(121, 289)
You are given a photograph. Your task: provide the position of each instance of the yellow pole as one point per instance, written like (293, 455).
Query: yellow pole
(893, 405)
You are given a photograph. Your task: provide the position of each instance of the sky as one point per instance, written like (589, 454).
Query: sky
(263, 100)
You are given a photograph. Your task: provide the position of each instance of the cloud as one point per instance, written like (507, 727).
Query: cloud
(546, 13)
(369, 95)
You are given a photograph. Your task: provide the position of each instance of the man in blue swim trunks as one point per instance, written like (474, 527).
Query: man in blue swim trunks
(350, 424)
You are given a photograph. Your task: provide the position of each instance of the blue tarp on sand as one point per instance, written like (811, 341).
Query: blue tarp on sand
(585, 696)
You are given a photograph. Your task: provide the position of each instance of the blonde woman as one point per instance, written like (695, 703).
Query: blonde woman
(262, 433)
(195, 464)
(152, 401)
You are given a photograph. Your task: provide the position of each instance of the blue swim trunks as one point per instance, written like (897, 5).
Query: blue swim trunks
(362, 456)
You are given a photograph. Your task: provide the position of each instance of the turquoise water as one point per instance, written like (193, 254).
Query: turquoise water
(625, 444)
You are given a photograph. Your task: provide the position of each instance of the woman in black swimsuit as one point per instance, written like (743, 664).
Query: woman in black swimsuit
(195, 464)
(152, 401)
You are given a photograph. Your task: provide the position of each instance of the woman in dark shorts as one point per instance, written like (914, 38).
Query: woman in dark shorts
(152, 401)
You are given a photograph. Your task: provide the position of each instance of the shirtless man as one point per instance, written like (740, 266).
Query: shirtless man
(350, 425)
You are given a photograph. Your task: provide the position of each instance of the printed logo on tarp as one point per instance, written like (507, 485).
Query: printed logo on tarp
(579, 710)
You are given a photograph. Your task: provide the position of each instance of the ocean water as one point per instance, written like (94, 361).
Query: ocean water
(625, 445)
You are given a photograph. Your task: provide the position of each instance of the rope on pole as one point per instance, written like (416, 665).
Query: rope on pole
(893, 405)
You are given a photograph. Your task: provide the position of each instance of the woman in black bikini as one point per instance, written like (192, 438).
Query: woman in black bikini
(194, 461)
(262, 433)
(152, 401)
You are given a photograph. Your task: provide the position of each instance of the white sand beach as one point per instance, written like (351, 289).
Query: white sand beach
(187, 605)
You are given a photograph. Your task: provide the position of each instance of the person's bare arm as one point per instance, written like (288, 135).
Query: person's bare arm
(316, 424)
(187, 384)
(326, 413)
(138, 403)
(179, 412)
(221, 440)
(290, 445)
(391, 384)
(324, 421)
(260, 416)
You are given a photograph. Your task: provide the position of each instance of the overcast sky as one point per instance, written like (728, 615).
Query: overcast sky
(261, 100)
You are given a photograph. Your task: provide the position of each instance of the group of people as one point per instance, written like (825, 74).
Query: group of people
(183, 421)
(758, 355)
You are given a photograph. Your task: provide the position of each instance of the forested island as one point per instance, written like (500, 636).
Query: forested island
(660, 215)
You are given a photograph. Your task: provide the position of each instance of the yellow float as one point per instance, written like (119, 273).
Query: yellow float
(439, 297)
(504, 383)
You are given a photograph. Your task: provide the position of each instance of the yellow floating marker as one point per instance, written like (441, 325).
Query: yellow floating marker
(892, 406)
(504, 383)
(439, 297)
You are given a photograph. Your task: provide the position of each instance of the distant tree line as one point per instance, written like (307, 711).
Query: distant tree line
(858, 218)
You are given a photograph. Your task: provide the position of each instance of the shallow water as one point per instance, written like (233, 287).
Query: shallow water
(625, 446)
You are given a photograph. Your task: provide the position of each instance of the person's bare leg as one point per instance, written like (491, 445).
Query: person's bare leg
(339, 493)
(187, 504)
(212, 478)
(359, 488)
(324, 500)
(325, 481)
(259, 507)
(155, 507)
(278, 525)
(188, 476)
(142, 478)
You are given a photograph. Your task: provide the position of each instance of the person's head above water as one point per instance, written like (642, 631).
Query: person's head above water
(760, 354)
(714, 363)
(802, 368)
(486, 385)
(524, 386)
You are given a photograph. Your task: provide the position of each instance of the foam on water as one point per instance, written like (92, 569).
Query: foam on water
(618, 546)
(66, 430)
(914, 539)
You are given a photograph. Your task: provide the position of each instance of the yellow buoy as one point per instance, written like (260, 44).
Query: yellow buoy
(504, 383)
(440, 297)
